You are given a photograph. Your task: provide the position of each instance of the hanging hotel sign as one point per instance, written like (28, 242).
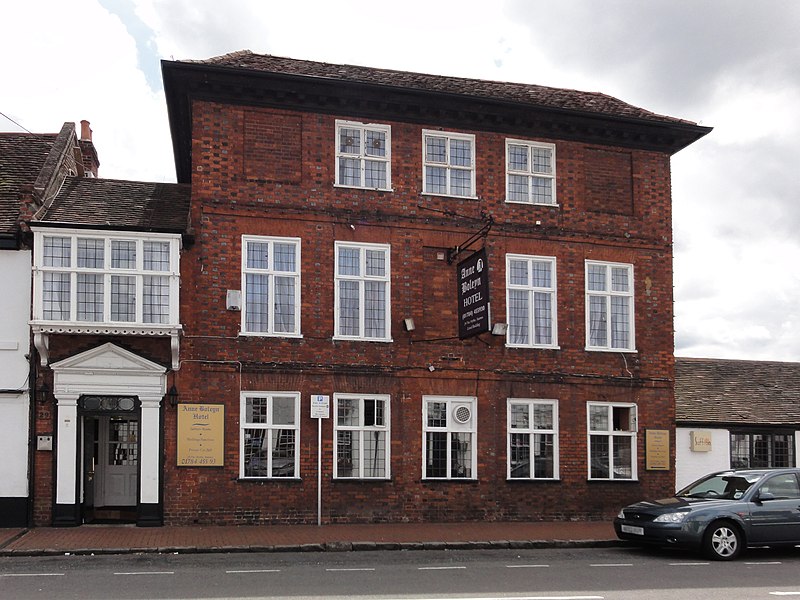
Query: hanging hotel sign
(473, 295)
(201, 437)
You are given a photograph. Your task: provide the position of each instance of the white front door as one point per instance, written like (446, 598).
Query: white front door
(118, 462)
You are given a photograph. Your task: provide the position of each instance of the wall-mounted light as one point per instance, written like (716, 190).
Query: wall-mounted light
(408, 324)
(43, 393)
(499, 328)
(172, 395)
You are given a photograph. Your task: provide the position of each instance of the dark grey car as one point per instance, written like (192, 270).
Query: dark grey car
(721, 514)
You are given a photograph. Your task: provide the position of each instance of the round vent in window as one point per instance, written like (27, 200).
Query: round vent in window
(462, 414)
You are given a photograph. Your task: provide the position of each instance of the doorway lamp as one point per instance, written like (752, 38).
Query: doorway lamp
(172, 395)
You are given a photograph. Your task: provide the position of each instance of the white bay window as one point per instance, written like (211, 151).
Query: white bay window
(96, 278)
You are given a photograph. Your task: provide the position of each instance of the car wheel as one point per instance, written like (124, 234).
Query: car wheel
(722, 541)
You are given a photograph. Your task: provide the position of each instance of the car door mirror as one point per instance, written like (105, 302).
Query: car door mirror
(764, 496)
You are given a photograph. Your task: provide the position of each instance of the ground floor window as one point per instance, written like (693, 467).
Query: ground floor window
(449, 435)
(270, 432)
(612, 440)
(759, 450)
(532, 439)
(361, 441)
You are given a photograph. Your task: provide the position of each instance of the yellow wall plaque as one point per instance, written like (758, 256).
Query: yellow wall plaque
(201, 435)
(657, 449)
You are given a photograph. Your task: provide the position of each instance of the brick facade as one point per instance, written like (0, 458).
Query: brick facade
(270, 172)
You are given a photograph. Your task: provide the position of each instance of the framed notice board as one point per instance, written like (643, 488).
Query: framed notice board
(201, 435)
(657, 449)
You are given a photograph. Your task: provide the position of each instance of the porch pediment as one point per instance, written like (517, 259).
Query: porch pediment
(108, 358)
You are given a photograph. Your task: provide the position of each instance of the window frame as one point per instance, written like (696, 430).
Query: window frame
(270, 426)
(362, 430)
(613, 434)
(447, 165)
(531, 290)
(450, 429)
(271, 273)
(531, 431)
(363, 278)
(107, 272)
(530, 174)
(609, 294)
(362, 157)
(751, 446)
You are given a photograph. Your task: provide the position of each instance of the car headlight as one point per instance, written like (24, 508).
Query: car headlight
(673, 517)
(621, 514)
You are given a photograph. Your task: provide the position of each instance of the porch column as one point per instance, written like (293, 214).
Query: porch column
(150, 509)
(66, 510)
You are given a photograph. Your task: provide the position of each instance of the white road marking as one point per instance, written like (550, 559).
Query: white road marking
(439, 568)
(526, 566)
(146, 573)
(612, 565)
(689, 564)
(765, 562)
(352, 569)
(31, 574)
(784, 593)
(255, 571)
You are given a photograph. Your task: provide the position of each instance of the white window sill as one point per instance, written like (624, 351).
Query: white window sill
(616, 350)
(264, 334)
(269, 479)
(359, 187)
(338, 338)
(435, 195)
(533, 347)
(533, 479)
(523, 203)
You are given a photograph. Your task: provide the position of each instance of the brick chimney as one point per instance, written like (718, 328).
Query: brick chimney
(89, 153)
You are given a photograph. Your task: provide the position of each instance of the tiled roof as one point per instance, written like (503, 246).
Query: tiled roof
(22, 156)
(737, 391)
(121, 204)
(534, 95)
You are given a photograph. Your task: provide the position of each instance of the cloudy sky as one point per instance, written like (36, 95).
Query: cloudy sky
(730, 64)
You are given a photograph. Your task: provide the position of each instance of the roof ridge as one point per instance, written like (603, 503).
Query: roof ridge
(515, 91)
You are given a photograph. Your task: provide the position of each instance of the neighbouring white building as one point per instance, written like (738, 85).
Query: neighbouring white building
(734, 414)
(32, 169)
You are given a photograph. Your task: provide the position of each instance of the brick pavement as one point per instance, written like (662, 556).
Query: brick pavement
(126, 538)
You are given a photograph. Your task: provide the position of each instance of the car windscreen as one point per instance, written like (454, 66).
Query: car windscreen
(722, 485)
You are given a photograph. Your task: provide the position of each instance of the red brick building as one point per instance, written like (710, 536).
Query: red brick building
(331, 207)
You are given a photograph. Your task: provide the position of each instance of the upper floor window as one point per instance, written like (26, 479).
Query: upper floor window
(271, 285)
(612, 440)
(532, 439)
(531, 300)
(89, 277)
(448, 161)
(269, 434)
(362, 294)
(609, 306)
(530, 172)
(361, 442)
(363, 155)
(449, 437)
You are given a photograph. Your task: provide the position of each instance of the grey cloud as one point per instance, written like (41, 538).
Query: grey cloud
(673, 52)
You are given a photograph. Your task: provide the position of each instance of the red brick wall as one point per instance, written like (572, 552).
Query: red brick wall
(271, 172)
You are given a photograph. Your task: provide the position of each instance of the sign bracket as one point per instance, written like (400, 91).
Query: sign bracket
(452, 253)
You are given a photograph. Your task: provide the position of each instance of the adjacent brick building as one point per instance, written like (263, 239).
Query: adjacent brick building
(331, 206)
